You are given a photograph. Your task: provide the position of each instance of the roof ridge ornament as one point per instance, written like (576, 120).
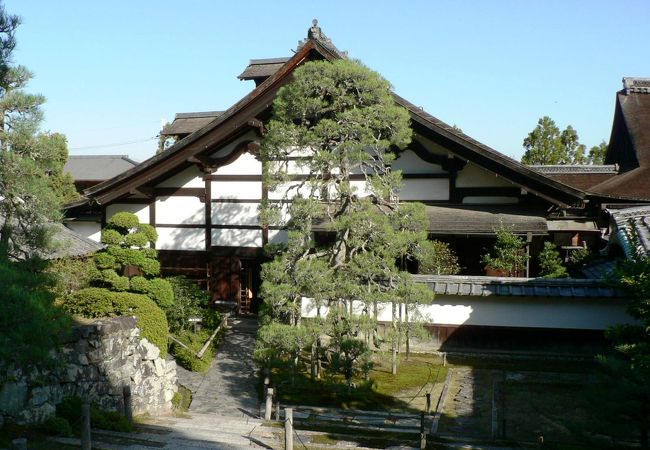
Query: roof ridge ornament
(639, 85)
(315, 33)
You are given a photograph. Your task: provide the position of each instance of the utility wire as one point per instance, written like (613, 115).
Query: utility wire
(88, 147)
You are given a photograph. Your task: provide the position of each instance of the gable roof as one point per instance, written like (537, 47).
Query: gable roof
(629, 144)
(97, 167)
(242, 117)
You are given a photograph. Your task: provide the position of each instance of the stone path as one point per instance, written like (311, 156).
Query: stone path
(230, 386)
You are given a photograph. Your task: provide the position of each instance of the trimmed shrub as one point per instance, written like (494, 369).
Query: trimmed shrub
(98, 302)
(161, 292)
(187, 358)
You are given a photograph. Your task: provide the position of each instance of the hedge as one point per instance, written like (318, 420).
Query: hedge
(99, 302)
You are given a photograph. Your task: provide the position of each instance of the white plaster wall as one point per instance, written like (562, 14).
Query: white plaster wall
(425, 189)
(409, 162)
(230, 237)
(89, 230)
(474, 176)
(235, 213)
(188, 178)
(525, 312)
(476, 200)
(180, 238)
(141, 211)
(278, 236)
(247, 190)
(245, 164)
(177, 210)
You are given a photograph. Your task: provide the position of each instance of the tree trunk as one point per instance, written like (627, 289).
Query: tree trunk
(394, 342)
(407, 334)
(312, 361)
(399, 335)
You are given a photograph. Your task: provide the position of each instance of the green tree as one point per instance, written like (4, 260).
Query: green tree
(546, 144)
(550, 262)
(627, 393)
(129, 263)
(334, 122)
(597, 153)
(508, 254)
(30, 322)
(32, 182)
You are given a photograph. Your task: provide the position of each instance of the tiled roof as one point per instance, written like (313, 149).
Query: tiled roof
(633, 230)
(97, 167)
(516, 287)
(187, 123)
(484, 220)
(68, 244)
(549, 169)
(262, 68)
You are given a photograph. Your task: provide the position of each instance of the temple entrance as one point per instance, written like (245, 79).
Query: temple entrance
(235, 282)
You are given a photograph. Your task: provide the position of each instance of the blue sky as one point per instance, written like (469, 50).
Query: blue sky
(111, 71)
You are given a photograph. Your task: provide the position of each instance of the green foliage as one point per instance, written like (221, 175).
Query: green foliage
(550, 262)
(30, 322)
(508, 253)
(100, 302)
(579, 259)
(190, 301)
(57, 426)
(334, 120)
(69, 275)
(597, 153)
(32, 182)
(157, 289)
(627, 372)
(109, 420)
(128, 251)
(547, 145)
(70, 410)
(437, 258)
(195, 341)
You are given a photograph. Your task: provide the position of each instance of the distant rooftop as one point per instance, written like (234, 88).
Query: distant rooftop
(187, 123)
(97, 167)
(574, 168)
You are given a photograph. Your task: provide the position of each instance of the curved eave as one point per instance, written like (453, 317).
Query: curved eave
(469, 149)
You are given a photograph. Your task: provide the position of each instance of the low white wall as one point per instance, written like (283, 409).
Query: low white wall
(524, 312)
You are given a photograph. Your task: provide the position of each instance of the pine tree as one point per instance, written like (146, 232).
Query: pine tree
(338, 125)
(32, 182)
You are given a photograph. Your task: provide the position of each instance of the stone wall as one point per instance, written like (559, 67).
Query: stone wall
(95, 364)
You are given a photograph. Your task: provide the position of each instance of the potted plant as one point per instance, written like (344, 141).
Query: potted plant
(508, 256)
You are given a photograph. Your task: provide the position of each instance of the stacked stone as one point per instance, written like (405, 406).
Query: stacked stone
(98, 361)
